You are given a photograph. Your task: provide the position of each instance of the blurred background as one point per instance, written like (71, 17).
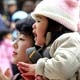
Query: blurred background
(13, 10)
(19, 4)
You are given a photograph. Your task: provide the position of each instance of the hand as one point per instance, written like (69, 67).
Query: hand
(6, 75)
(27, 70)
(38, 77)
(28, 77)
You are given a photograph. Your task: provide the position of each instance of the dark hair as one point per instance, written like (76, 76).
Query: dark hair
(16, 20)
(56, 29)
(25, 26)
(4, 33)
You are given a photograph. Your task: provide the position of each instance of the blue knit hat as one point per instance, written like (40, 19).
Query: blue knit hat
(19, 15)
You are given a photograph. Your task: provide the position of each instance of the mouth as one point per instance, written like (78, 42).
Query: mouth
(35, 35)
(14, 53)
(34, 32)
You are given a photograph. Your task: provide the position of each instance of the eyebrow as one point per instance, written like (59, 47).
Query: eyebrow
(38, 16)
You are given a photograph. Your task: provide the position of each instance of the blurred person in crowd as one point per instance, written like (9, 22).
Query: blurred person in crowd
(6, 48)
(59, 18)
(28, 6)
(25, 39)
(18, 15)
(10, 6)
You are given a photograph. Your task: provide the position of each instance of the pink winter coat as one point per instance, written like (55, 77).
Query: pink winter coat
(6, 51)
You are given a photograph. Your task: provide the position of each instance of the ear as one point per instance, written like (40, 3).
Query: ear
(72, 3)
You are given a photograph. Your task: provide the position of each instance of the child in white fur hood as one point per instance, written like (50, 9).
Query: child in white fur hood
(59, 18)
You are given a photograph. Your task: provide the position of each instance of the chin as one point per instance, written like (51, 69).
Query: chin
(14, 61)
(38, 44)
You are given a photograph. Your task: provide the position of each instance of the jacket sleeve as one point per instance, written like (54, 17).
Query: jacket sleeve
(65, 59)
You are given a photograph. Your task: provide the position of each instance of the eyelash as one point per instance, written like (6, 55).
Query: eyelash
(37, 20)
(21, 39)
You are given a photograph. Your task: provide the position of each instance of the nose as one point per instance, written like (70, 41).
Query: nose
(15, 44)
(34, 26)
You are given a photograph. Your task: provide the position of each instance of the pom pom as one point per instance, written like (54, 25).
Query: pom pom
(72, 3)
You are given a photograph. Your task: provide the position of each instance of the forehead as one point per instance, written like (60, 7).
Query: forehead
(22, 35)
(29, 3)
(39, 17)
(11, 5)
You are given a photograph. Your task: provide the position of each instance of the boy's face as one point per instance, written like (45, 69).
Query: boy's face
(39, 30)
(20, 45)
(12, 8)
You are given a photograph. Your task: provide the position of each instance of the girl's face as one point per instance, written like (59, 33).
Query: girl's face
(39, 30)
(20, 45)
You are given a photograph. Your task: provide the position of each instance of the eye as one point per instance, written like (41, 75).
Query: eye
(21, 39)
(38, 20)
